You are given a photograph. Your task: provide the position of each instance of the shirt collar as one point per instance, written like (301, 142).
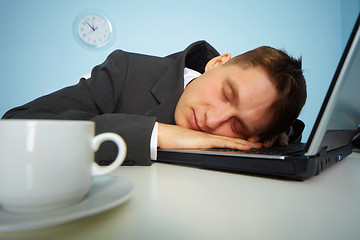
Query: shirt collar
(189, 75)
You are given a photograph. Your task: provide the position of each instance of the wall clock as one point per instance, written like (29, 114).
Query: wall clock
(93, 30)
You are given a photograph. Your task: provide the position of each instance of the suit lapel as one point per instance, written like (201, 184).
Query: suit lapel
(167, 92)
(171, 85)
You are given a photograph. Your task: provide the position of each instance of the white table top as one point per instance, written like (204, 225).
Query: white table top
(176, 202)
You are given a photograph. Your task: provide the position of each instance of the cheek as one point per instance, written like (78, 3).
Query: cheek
(225, 130)
(211, 97)
(207, 95)
(206, 88)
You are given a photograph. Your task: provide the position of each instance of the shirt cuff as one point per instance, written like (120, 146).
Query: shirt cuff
(153, 142)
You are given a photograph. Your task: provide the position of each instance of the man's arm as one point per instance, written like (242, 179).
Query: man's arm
(96, 99)
(136, 130)
(176, 137)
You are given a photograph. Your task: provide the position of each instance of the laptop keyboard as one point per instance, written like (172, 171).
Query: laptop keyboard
(274, 150)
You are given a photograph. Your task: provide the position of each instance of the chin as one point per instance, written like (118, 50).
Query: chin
(182, 123)
(181, 120)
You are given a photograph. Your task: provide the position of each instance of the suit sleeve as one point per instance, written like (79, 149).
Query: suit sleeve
(97, 99)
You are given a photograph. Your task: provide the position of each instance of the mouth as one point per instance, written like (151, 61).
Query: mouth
(193, 121)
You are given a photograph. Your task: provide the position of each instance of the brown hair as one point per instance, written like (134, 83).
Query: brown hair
(287, 77)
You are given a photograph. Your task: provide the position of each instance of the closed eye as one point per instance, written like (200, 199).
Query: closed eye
(227, 93)
(225, 96)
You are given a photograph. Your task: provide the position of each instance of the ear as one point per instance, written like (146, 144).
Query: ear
(217, 61)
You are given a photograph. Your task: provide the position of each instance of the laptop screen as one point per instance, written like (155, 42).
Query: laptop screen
(339, 115)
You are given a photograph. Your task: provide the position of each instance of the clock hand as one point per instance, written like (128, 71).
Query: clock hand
(93, 25)
(90, 25)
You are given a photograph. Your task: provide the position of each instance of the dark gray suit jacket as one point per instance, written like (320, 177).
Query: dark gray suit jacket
(126, 95)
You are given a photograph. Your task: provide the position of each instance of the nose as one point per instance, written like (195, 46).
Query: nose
(217, 116)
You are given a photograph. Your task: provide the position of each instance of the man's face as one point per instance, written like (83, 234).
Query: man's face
(227, 100)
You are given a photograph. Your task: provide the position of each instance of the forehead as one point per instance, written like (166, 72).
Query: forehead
(251, 78)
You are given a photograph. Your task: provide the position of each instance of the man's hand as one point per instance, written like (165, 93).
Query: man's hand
(176, 137)
(281, 140)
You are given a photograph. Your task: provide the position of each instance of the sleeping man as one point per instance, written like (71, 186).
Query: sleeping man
(195, 98)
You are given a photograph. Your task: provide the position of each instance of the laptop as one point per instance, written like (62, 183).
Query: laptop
(330, 140)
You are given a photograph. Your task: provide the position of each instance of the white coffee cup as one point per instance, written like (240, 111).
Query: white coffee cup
(46, 164)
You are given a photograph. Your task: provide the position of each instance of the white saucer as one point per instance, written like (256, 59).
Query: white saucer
(106, 192)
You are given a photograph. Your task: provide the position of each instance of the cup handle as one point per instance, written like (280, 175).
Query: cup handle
(97, 170)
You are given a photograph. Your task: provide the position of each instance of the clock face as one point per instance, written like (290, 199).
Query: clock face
(94, 30)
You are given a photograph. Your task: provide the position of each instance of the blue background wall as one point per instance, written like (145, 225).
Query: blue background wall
(38, 53)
